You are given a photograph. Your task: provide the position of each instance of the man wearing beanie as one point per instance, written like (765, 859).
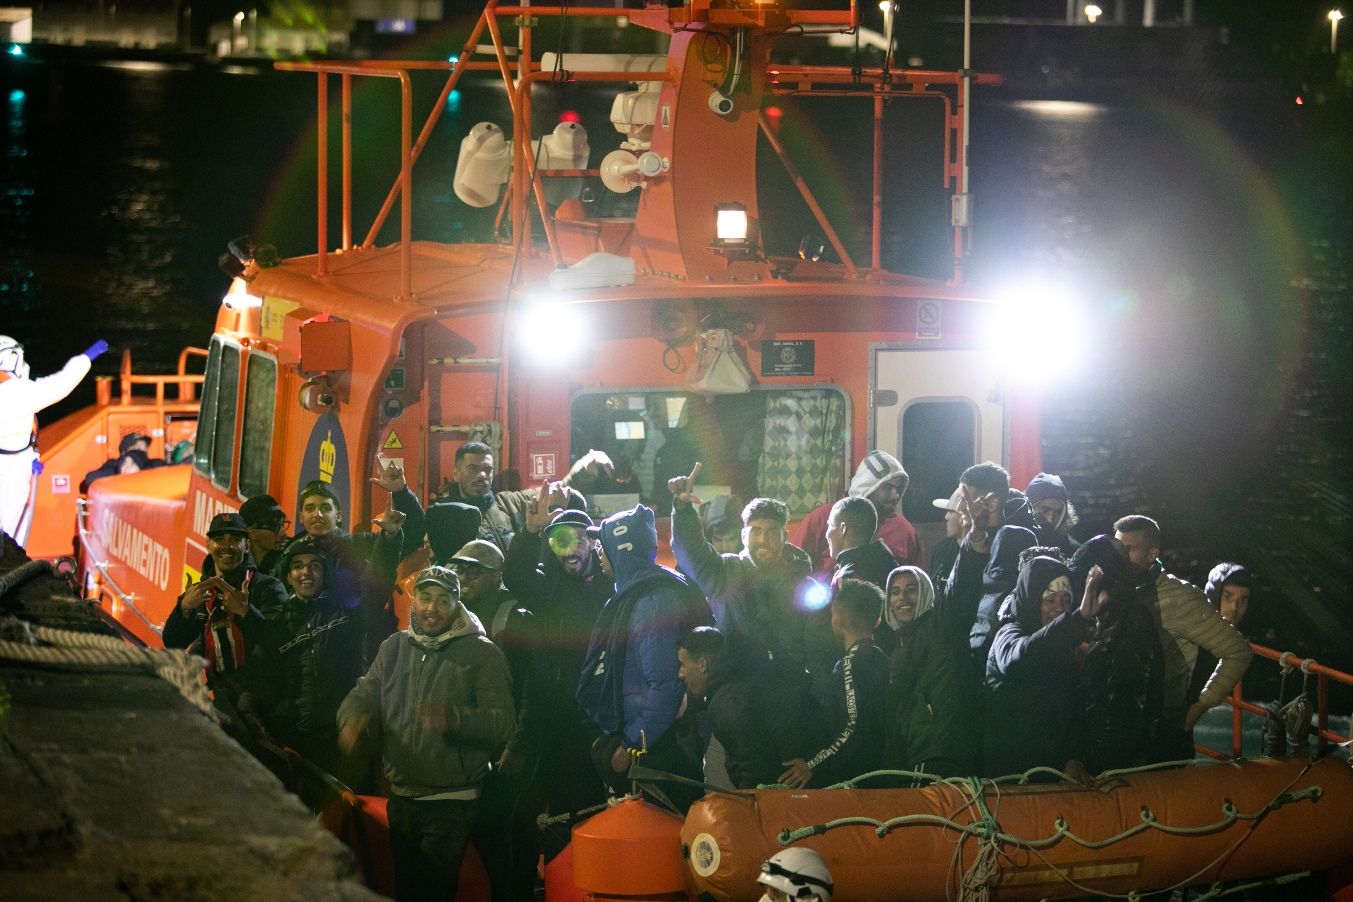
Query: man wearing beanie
(1053, 512)
(629, 685)
(553, 569)
(880, 478)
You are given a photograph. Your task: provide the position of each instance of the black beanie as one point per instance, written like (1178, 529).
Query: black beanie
(450, 524)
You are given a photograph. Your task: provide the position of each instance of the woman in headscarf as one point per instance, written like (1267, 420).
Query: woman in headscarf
(1121, 677)
(929, 702)
(1033, 711)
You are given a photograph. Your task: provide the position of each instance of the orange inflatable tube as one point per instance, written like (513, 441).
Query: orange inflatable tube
(1145, 831)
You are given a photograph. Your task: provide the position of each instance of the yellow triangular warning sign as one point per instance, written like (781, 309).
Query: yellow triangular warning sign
(392, 441)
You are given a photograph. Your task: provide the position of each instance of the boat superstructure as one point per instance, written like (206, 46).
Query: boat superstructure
(639, 292)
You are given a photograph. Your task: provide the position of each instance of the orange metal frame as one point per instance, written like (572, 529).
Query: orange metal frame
(880, 84)
(1286, 659)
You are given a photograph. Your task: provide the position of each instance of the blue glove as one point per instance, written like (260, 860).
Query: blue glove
(96, 349)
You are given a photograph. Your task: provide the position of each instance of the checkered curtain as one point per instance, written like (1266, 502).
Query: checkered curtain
(804, 442)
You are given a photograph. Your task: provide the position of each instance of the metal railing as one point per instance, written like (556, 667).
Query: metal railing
(187, 382)
(1240, 706)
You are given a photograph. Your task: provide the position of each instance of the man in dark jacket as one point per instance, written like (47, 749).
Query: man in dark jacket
(859, 715)
(1053, 512)
(440, 698)
(268, 530)
(629, 685)
(564, 587)
(761, 596)
(850, 538)
(990, 506)
(505, 832)
(759, 723)
(227, 618)
(1034, 714)
(504, 513)
(319, 647)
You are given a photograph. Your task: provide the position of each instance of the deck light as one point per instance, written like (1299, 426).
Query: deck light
(1093, 13)
(730, 225)
(551, 334)
(239, 298)
(1038, 332)
(1334, 16)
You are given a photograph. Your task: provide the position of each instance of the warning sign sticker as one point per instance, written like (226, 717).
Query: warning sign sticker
(392, 442)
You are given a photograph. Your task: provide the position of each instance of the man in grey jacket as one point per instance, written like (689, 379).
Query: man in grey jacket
(1187, 622)
(441, 696)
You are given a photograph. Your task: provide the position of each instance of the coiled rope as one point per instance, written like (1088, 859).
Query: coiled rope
(66, 648)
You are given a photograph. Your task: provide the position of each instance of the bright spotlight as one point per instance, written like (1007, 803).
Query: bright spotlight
(1038, 333)
(551, 334)
(1093, 12)
(730, 224)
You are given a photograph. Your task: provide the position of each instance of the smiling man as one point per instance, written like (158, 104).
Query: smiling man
(757, 595)
(226, 617)
(440, 699)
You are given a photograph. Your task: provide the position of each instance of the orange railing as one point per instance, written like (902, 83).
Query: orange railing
(1240, 706)
(187, 382)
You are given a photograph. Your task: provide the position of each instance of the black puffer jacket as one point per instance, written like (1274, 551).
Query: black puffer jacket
(1122, 677)
(1033, 711)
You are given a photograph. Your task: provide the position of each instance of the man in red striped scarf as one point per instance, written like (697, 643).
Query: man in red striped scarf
(228, 618)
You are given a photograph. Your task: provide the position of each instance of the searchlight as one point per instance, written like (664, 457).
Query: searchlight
(1037, 332)
(551, 334)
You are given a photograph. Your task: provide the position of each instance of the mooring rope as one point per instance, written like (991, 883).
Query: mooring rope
(67, 648)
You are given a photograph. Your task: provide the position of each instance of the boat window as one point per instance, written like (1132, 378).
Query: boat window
(206, 417)
(223, 425)
(783, 443)
(260, 400)
(939, 441)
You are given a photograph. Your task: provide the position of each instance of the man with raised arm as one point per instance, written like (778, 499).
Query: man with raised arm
(20, 400)
(760, 596)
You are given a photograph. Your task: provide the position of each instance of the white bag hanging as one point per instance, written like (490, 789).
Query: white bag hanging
(718, 369)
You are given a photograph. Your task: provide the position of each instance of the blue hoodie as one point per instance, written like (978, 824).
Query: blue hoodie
(629, 681)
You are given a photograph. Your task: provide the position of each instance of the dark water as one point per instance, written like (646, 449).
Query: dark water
(1209, 243)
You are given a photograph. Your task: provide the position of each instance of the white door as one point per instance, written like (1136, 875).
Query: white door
(939, 411)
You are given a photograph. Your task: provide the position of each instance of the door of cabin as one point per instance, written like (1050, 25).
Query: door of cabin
(939, 410)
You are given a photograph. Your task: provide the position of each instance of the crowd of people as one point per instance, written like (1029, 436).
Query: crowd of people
(548, 654)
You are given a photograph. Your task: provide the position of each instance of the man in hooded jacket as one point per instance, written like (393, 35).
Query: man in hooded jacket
(999, 521)
(440, 697)
(930, 698)
(629, 685)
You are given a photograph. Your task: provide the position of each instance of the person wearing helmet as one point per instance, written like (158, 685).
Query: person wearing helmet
(20, 400)
(795, 875)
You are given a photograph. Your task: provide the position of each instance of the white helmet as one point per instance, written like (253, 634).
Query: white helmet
(799, 873)
(11, 357)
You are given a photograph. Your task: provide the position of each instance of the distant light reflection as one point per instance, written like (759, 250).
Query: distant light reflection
(1061, 109)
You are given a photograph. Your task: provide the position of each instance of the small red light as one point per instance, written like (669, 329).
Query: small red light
(774, 112)
(1300, 102)
(570, 116)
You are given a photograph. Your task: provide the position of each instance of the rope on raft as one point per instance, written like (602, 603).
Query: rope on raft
(977, 880)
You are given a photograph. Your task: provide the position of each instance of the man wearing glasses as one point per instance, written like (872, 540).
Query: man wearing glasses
(269, 530)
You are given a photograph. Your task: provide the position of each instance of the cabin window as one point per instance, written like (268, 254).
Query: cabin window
(223, 423)
(214, 450)
(260, 400)
(202, 444)
(939, 441)
(783, 443)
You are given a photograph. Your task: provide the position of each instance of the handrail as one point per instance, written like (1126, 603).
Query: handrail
(1240, 706)
(83, 531)
(183, 379)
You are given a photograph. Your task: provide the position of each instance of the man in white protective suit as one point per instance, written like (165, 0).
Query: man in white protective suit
(20, 400)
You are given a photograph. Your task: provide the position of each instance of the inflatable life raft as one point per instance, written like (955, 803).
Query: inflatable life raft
(1141, 831)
